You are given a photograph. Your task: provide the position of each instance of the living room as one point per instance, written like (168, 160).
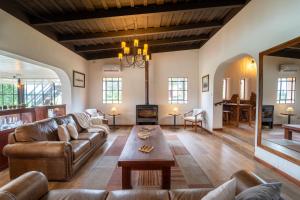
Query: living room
(114, 57)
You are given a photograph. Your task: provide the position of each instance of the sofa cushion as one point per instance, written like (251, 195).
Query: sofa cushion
(72, 131)
(268, 191)
(63, 133)
(48, 128)
(226, 191)
(138, 194)
(75, 194)
(94, 138)
(45, 130)
(68, 119)
(189, 194)
(29, 133)
(79, 148)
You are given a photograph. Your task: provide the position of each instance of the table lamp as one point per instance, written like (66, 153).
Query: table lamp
(290, 110)
(113, 110)
(175, 110)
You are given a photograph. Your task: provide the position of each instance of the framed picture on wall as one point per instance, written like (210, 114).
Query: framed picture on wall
(205, 83)
(78, 79)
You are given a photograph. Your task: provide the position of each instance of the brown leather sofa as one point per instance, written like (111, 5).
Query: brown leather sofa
(36, 147)
(34, 186)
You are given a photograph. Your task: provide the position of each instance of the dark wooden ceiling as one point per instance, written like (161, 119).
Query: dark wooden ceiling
(288, 52)
(95, 28)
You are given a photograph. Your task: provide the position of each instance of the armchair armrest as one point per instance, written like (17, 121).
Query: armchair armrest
(31, 185)
(45, 149)
(189, 112)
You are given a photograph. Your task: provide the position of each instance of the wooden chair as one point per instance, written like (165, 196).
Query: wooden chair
(194, 116)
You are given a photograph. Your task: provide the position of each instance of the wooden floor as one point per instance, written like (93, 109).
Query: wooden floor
(216, 158)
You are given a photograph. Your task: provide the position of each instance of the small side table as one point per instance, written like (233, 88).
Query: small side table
(114, 119)
(174, 118)
(289, 116)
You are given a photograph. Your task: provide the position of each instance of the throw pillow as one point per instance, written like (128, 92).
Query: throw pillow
(225, 191)
(72, 131)
(63, 133)
(268, 191)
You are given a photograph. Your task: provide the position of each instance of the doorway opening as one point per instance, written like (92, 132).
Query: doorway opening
(235, 102)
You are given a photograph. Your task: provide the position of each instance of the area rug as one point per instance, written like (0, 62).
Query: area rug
(186, 173)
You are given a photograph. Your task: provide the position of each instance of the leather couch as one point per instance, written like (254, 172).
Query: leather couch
(34, 186)
(36, 147)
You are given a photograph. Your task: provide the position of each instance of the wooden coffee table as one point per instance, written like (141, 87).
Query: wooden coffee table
(160, 158)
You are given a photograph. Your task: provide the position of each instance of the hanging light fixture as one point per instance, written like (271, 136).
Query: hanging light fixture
(134, 55)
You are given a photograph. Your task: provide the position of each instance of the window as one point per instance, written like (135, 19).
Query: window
(36, 92)
(8, 92)
(243, 89)
(225, 86)
(42, 91)
(178, 90)
(112, 90)
(286, 90)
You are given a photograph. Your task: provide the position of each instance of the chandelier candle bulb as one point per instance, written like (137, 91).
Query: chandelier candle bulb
(147, 57)
(145, 52)
(126, 50)
(139, 51)
(120, 56)
(123, 45)
(135, 42)
(145, 46)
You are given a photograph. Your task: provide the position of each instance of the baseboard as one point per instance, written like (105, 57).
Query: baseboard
(217, 129)
(287, 176)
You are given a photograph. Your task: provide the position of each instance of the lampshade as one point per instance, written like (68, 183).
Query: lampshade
(290, 109)
(175, 109)
(113, 110)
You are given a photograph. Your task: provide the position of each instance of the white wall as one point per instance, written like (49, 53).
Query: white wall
(260, 25)
(162, 66)
(271, 75)
(20, 39)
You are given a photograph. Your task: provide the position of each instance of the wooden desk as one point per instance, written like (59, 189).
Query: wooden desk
(160, 158)
(288, 130)
(238, 107)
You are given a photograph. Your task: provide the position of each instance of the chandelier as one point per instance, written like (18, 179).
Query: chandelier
(134, 55)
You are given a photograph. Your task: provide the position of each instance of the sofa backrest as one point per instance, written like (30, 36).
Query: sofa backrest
(45, 130)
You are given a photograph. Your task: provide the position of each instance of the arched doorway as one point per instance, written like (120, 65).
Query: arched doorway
(16, 67)
(235, 100)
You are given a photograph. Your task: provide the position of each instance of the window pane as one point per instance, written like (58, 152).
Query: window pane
(112, 90)
(286, 90)
(177, 90)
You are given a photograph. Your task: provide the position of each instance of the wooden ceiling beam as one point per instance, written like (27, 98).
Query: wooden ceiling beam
(138, 32)
(116, 46)
(157, 49)
(136, 10)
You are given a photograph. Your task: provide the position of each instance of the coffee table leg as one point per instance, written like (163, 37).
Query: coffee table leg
(126, 178)
(166, 178)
